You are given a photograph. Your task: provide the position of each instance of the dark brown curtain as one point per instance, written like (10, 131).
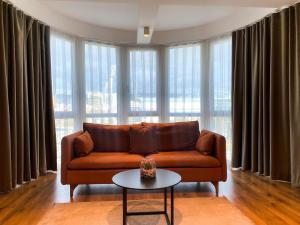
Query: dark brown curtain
(27, 133)
(266, 96)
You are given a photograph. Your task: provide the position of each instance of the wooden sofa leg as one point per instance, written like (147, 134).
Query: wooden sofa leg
(216, 185)
(72, 188)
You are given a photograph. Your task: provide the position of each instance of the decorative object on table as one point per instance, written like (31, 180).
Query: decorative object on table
(148, 168)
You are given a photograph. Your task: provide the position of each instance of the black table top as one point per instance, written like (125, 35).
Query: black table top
(131, 179)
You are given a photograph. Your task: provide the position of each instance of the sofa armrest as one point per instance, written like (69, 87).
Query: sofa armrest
(220, 153)
(67, 154)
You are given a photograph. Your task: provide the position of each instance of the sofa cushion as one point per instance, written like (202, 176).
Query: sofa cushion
(109, 138)
(180, 159)
(176, 136)
(105, 160)
(83, 144)
(143, 139)
(205, 142)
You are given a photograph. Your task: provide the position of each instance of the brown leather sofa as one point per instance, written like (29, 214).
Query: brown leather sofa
(175, 142)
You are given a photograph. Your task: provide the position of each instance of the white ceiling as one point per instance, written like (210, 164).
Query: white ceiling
(160, 15)
(171, 17)
(124, 14)
(115, 15)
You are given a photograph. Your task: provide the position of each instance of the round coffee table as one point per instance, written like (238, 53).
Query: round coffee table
(131, 179)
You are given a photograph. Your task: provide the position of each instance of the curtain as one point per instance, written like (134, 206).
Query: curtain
(219, 89)
(266, 96)
(143, 86)
(101, 83)
(28, 147)
(64, 87)
(184, 82)
(199, 85)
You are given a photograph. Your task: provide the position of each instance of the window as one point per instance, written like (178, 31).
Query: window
(192, 83)
(184, 82)
(101, 83)
(199, 85)
(143, 86)
(63, 85)
(220, 87)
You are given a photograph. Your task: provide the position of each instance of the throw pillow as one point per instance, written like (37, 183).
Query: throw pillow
(83, 144)
(205, 142)
(142, 139)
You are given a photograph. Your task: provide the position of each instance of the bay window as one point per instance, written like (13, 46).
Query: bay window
(100, 83)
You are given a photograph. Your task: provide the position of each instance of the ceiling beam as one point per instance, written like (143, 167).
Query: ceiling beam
(148, 10)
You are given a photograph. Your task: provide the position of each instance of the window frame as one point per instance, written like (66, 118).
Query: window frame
(66, 115)
(144, 113)
(96, 115)
(167, 62)
(215, 112)
(124, 114)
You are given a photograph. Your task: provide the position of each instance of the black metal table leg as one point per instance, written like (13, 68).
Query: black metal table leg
(170, 221)
(172, 205)
(165, 200)
(124, 206)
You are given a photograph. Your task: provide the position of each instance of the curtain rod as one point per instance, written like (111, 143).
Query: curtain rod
(25, 13)
(277, 10)
(198, 41)
(111, 43)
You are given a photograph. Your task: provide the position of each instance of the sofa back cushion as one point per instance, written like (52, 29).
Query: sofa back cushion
(109, 138)
(143, 139)
(178, 136)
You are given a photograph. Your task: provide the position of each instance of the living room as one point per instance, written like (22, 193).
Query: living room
(149, 112)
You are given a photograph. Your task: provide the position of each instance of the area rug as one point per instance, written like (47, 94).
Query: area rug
(188, 211)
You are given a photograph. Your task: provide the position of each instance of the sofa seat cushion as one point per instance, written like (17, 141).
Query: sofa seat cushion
(183, 159)
(106, 160)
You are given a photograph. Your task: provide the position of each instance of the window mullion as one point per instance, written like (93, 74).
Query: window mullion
(205, 95)
(124, 85)
(80, 84)
(163, 86)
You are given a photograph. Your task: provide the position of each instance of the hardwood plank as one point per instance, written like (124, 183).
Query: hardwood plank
(262, 200)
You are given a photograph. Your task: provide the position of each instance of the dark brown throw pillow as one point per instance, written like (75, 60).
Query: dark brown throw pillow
(83, 144)
(205, 142)
(142, 139)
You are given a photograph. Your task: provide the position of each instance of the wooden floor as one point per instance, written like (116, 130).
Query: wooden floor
(263, 201)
